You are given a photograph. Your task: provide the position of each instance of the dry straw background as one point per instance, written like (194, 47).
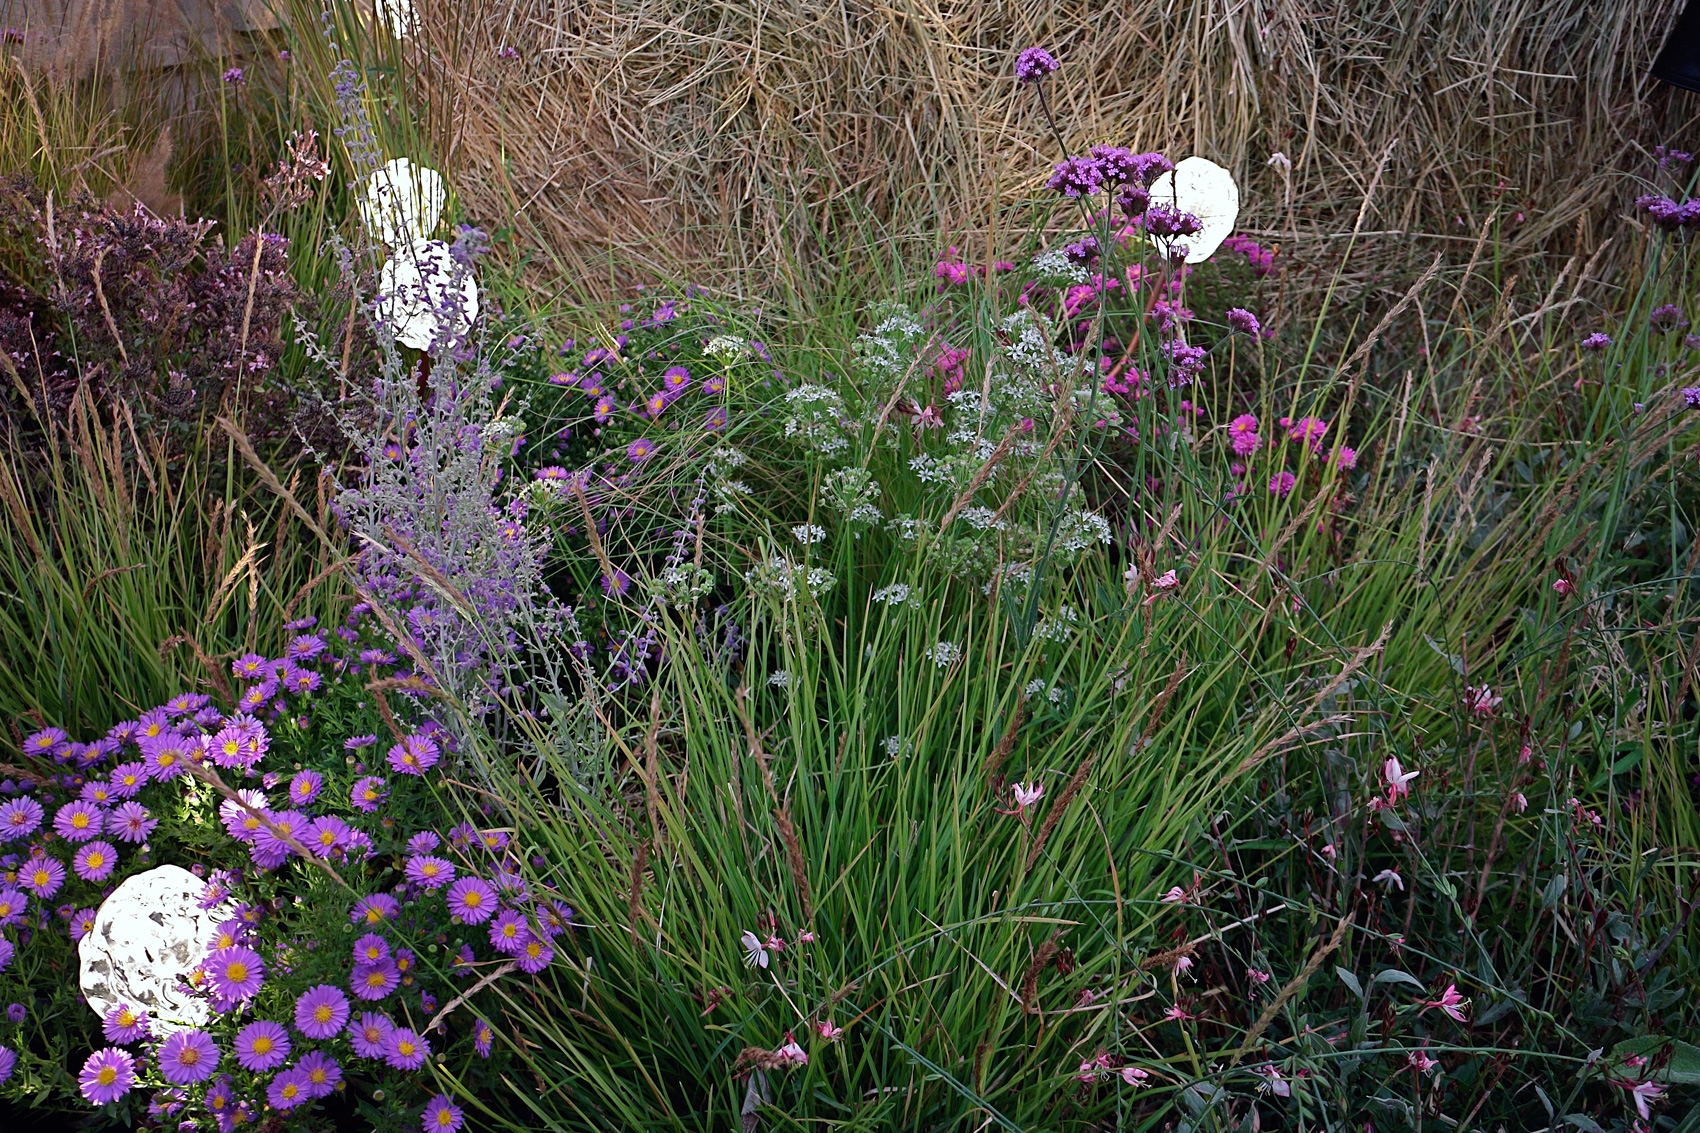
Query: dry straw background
(747, 135)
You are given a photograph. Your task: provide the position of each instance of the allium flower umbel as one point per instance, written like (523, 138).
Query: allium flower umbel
(1034, 64)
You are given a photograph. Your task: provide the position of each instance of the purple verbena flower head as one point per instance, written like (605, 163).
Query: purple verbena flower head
(1033, 64)
(1244, 322)
(1076, 177)
(1596, 341)
(1691, 397)
(1666, 318)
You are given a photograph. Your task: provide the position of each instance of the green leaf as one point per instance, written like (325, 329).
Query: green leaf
(1682, 1065)
(1452, 659)
(1350, 980)
(1395, 976)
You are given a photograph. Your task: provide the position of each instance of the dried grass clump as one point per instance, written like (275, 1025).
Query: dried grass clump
(732, 139)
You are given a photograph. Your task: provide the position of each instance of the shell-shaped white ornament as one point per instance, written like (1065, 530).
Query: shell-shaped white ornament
(401, 202)
(147, 936)
(399, 15)
(425, 297)
(1206, 190)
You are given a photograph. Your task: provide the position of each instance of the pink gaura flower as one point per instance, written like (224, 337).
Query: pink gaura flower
(1420, 1062)
(1388, 878)
(1482, 701)
(829, 1032)
(1398, 779)
(1451, 1004)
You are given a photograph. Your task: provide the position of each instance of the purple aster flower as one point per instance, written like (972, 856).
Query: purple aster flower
(355, 743)
(429, 872)
(305, 647)
(79, 821)
(508, 932)
(375, 909)
(16, 1012)
(423, 842)
(95, 861)
(370, 1034)
(1244, 322)
(1282, 483)
(321, 1012)
(82, 923)
(98, 792)
(242, 822)
(126, 780)
(368, 794)
(249, 667)
(106, 1076)
(371, 949)
(472, 900)
(165, 755)
(406, 1050)
(534, 955)
(8, 1063)
(186, 702)
(442, 1115)
(1076, 177)
(288, 1090)
(12, 906)
(375, 981)
(219, 1100)
(494, 840)
(463, 962)
(48, 741)
(19, 818)
(414, 755)
(325, 835)
(131, 822)
(124, 1025)
(604, 409)
(236, 972)
(42, 876)
(188, 1057)
(7, 950)
(262, 1045)
(297, 680)
(482, 1036)
(258, 696)
(1033, 64)
(675, 379)
(640, 450)
(229, 748)
(1596, 341)
(403, 962)
(270, 850)
(322, 1072)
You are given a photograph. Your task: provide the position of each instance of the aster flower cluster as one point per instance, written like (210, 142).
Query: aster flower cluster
(291, 1020)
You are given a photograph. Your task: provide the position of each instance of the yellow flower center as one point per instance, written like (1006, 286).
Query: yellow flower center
(236, 972)
(107, 1075)
(322, 1013)
(317, 1074)
(445, 1119)
(80, 820)
(95, 860)
(473, 899)
(404, 1048)
(41, 877)
(166, 759)
(190, 1056)
(375, 979)
(290, 1089)
(262, 1045)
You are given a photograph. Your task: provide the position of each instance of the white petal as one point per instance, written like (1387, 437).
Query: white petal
(417, 286)
(146, 936)
(401, 202)
(1207, 191)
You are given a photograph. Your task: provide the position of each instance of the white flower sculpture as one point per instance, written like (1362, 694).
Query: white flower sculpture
(147, 936)
(401, 202)
(1207, 191)
(399, 15)
(425, 297)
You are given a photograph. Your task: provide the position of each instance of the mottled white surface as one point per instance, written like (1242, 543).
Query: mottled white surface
(1207, 191)
(401, 202)
(146, 936)
(417, 287)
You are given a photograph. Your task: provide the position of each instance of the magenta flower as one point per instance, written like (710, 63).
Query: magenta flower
(1033, 64)
(640, 450)
(262, 1045)
(413, 755)
(188, 1057)
(321, 1012)
(508, 933)
(376, 909)
(1282, 483)
(95, 861)
(1596, 341)
(429, 872)
(442, 1115)
(288, 1090)
(1244, 322)
(368, 794)
(236, 972)
(1308, 430)
(371, 949)
(305, 787)
(79, 821)
(373, 982)
(42, 876)
(106, 1076)
(1451, 1004)
(406, 1050)
(370, 1035)
(472, 900)
(12, 906)
(19, 818)
(1242, 435)
(1346, 459)
(482, 1036)
(322, 1073)
(124, 1025)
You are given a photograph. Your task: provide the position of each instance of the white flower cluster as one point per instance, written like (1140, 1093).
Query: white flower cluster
(894, 595)
(683, 584)
(854, 494)
(1059, 628)
(1080, 529)
(1030, 344)
(813, 414)
(1054, 266)
(896, 746)
(809, 533)
(786, 579)
(780, 679)
(1036, 686)
(887, 350)
(718, 469)
(943, 653)
(726, 347)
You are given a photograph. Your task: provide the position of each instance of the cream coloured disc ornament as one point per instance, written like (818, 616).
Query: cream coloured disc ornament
(147, 936)
(1207, 191)
(401, 202)
(421, 287)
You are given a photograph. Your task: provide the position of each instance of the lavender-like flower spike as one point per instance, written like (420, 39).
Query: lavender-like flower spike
(1034, 64)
